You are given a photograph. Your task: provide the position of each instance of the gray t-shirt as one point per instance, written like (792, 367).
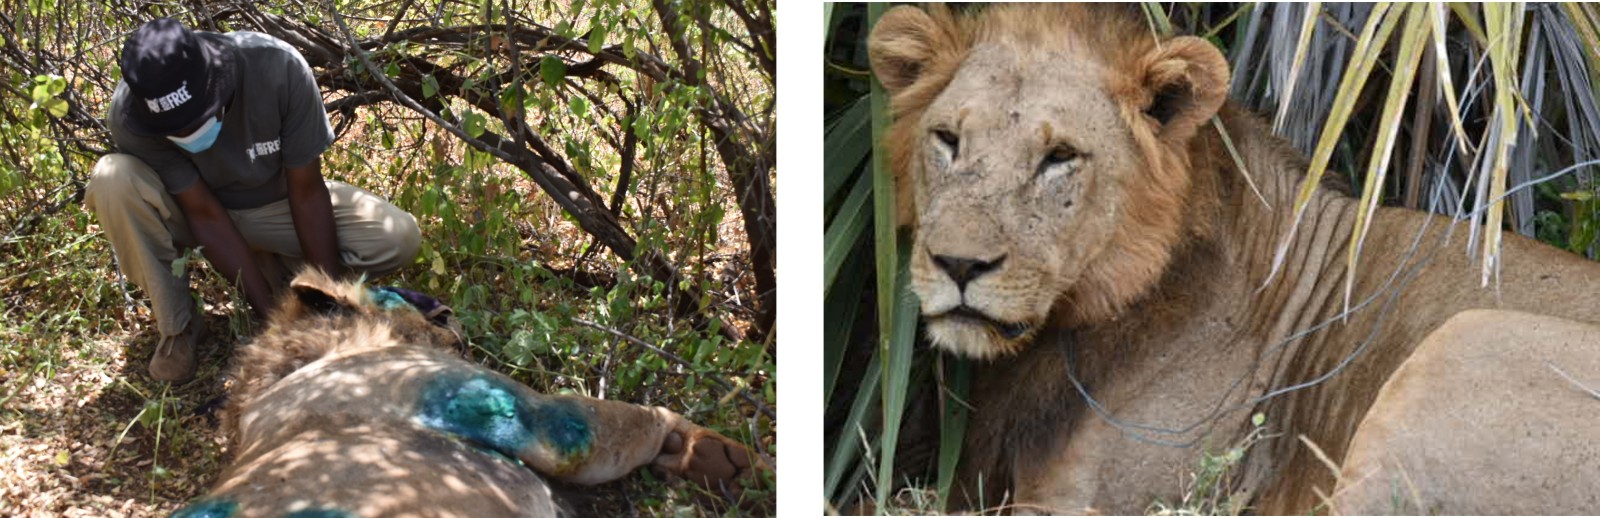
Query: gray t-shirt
(275, 120)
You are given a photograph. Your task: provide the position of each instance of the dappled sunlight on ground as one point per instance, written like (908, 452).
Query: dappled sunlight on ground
(59, 448)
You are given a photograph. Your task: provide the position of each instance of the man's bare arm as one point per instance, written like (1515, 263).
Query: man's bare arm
(312, 210)
(222, 244)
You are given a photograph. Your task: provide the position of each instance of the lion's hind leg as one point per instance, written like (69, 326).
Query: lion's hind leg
(636, 436)
(1478, 420)
(574, 438)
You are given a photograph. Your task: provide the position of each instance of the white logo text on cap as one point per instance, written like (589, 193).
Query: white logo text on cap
(170, 101)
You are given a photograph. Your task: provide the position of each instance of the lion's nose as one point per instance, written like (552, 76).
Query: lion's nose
(964, 269)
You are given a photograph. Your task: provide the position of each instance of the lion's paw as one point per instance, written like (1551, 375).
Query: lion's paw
(709, 459)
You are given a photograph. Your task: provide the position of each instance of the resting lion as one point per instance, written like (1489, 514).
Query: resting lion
(1079, 220)
(353, 402)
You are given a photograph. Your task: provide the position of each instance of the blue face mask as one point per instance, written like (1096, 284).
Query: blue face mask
(202, 138)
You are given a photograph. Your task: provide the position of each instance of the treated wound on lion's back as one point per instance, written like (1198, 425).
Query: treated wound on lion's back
(1082, 227)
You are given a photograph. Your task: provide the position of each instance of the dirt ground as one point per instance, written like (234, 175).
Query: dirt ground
(82, 443)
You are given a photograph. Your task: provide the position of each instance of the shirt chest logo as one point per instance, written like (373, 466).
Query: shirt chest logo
(264, 148)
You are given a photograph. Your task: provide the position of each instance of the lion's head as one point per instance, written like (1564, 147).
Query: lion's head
(1043, 150)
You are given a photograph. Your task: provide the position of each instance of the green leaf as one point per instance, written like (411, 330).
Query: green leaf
(896, 348)
(150, 414)
(850, 442)
(579, 107)
(845, 230)
(1258, 419)
(1413, 34)
(391, 70)
(839, 308)
(627, 47)
(56, 107)
(181, 265)
(597, 38)
(1369, 46)
(897, 310)
(472, 123)
(845, 145)
(641, 127)
(552, 70)
(430, 86)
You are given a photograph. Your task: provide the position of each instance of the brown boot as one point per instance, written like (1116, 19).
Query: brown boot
(175, 359)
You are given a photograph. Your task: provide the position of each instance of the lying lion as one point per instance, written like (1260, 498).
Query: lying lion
(353, 402)
(1082, 225)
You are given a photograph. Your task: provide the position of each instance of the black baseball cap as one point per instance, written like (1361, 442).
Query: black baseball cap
(176, 77)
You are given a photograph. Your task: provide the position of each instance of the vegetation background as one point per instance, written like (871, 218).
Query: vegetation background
(1485, 112)
(594, 179)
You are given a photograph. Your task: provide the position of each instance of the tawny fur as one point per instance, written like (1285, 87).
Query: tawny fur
(1147, 271)
(348, 404)
(297, 335)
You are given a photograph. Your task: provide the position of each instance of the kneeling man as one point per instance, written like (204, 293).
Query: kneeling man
(218, 138)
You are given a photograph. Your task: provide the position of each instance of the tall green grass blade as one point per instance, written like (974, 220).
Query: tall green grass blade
(896, 352)
(1369, 47)
(839, 314)
(952, 422)
(844, 232)
(896, 317)
(848, 450)
(845, 145)
(1307, 27)
(1407, 60)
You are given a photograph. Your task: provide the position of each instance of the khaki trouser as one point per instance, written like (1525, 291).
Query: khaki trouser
(147, 229)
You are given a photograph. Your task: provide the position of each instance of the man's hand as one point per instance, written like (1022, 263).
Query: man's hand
(222, 245)
(312, 210)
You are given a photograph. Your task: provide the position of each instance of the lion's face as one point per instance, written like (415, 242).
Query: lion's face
(1046, 179)
(1021, 173)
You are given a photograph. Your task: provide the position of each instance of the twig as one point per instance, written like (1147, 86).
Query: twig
(1570, 379)
(679, 360)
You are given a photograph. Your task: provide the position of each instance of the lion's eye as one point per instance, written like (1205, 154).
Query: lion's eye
(1062, 154)
(950, 140)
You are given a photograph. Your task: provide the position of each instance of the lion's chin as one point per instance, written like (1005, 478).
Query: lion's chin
(976, 338)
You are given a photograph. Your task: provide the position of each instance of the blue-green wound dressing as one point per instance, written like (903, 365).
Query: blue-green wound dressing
(207, 508)
(486, 410)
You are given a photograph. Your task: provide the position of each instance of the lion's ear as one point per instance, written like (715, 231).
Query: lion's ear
(316, 292)
(1185, 81)
(907, 41)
